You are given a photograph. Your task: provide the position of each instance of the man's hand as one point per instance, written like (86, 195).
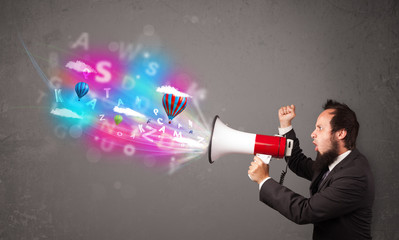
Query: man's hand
(258, 171)
(285, 115)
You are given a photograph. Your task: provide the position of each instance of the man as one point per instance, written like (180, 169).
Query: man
(342, 185)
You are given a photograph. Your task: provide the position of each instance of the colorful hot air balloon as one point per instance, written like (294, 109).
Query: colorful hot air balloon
(118, 119)
(173, 105)
(81, 89)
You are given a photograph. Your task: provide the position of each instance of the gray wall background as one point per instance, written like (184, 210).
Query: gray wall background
(262, 54)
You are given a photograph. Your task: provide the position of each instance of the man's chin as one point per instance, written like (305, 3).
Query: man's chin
(324, 159)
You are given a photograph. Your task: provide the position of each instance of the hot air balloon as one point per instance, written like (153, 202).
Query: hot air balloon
(81, 89)
(118, 119)
(173, 105)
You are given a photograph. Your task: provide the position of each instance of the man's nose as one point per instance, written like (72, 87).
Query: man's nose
(313, 135)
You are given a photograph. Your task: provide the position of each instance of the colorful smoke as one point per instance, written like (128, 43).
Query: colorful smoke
(127, 88)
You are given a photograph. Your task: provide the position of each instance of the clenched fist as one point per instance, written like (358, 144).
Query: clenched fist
(285, 115)
(258, 170)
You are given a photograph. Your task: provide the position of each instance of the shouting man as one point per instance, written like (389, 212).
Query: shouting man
(342, 185)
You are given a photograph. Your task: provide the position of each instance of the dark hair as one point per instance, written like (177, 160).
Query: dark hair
(344, 118)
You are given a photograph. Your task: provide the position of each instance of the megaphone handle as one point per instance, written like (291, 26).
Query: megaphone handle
(265, 158)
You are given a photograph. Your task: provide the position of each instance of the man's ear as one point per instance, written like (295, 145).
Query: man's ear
(341, 134)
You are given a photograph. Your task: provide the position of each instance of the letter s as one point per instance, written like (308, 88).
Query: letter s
(105, 75)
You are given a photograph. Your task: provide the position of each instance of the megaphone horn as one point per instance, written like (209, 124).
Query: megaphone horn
(227, 140)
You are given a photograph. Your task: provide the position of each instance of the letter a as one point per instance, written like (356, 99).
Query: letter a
(83, 40)
(92, 103)
(120, 102)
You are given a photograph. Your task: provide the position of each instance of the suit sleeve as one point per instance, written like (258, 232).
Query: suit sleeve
(298, 162)
(341, 197)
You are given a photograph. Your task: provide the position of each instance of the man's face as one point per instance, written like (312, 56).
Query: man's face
(326, 142)
(322, 136)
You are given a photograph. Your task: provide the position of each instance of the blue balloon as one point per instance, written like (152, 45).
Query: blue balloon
(81, 89)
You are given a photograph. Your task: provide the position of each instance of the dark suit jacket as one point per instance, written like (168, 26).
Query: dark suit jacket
(340, 208)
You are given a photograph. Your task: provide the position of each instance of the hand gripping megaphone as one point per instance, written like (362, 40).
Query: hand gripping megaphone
(227, 140)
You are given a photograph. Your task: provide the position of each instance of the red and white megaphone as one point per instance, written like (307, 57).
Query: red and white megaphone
(227, 140)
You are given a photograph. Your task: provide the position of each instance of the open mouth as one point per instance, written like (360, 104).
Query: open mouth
(316, 148)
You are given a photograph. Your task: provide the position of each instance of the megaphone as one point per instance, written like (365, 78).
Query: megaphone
(227, 140)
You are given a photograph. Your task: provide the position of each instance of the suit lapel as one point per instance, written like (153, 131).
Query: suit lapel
(330, 175)
(339, 166)
(315, 183)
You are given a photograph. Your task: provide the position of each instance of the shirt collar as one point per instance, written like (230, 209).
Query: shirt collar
(339, 159)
